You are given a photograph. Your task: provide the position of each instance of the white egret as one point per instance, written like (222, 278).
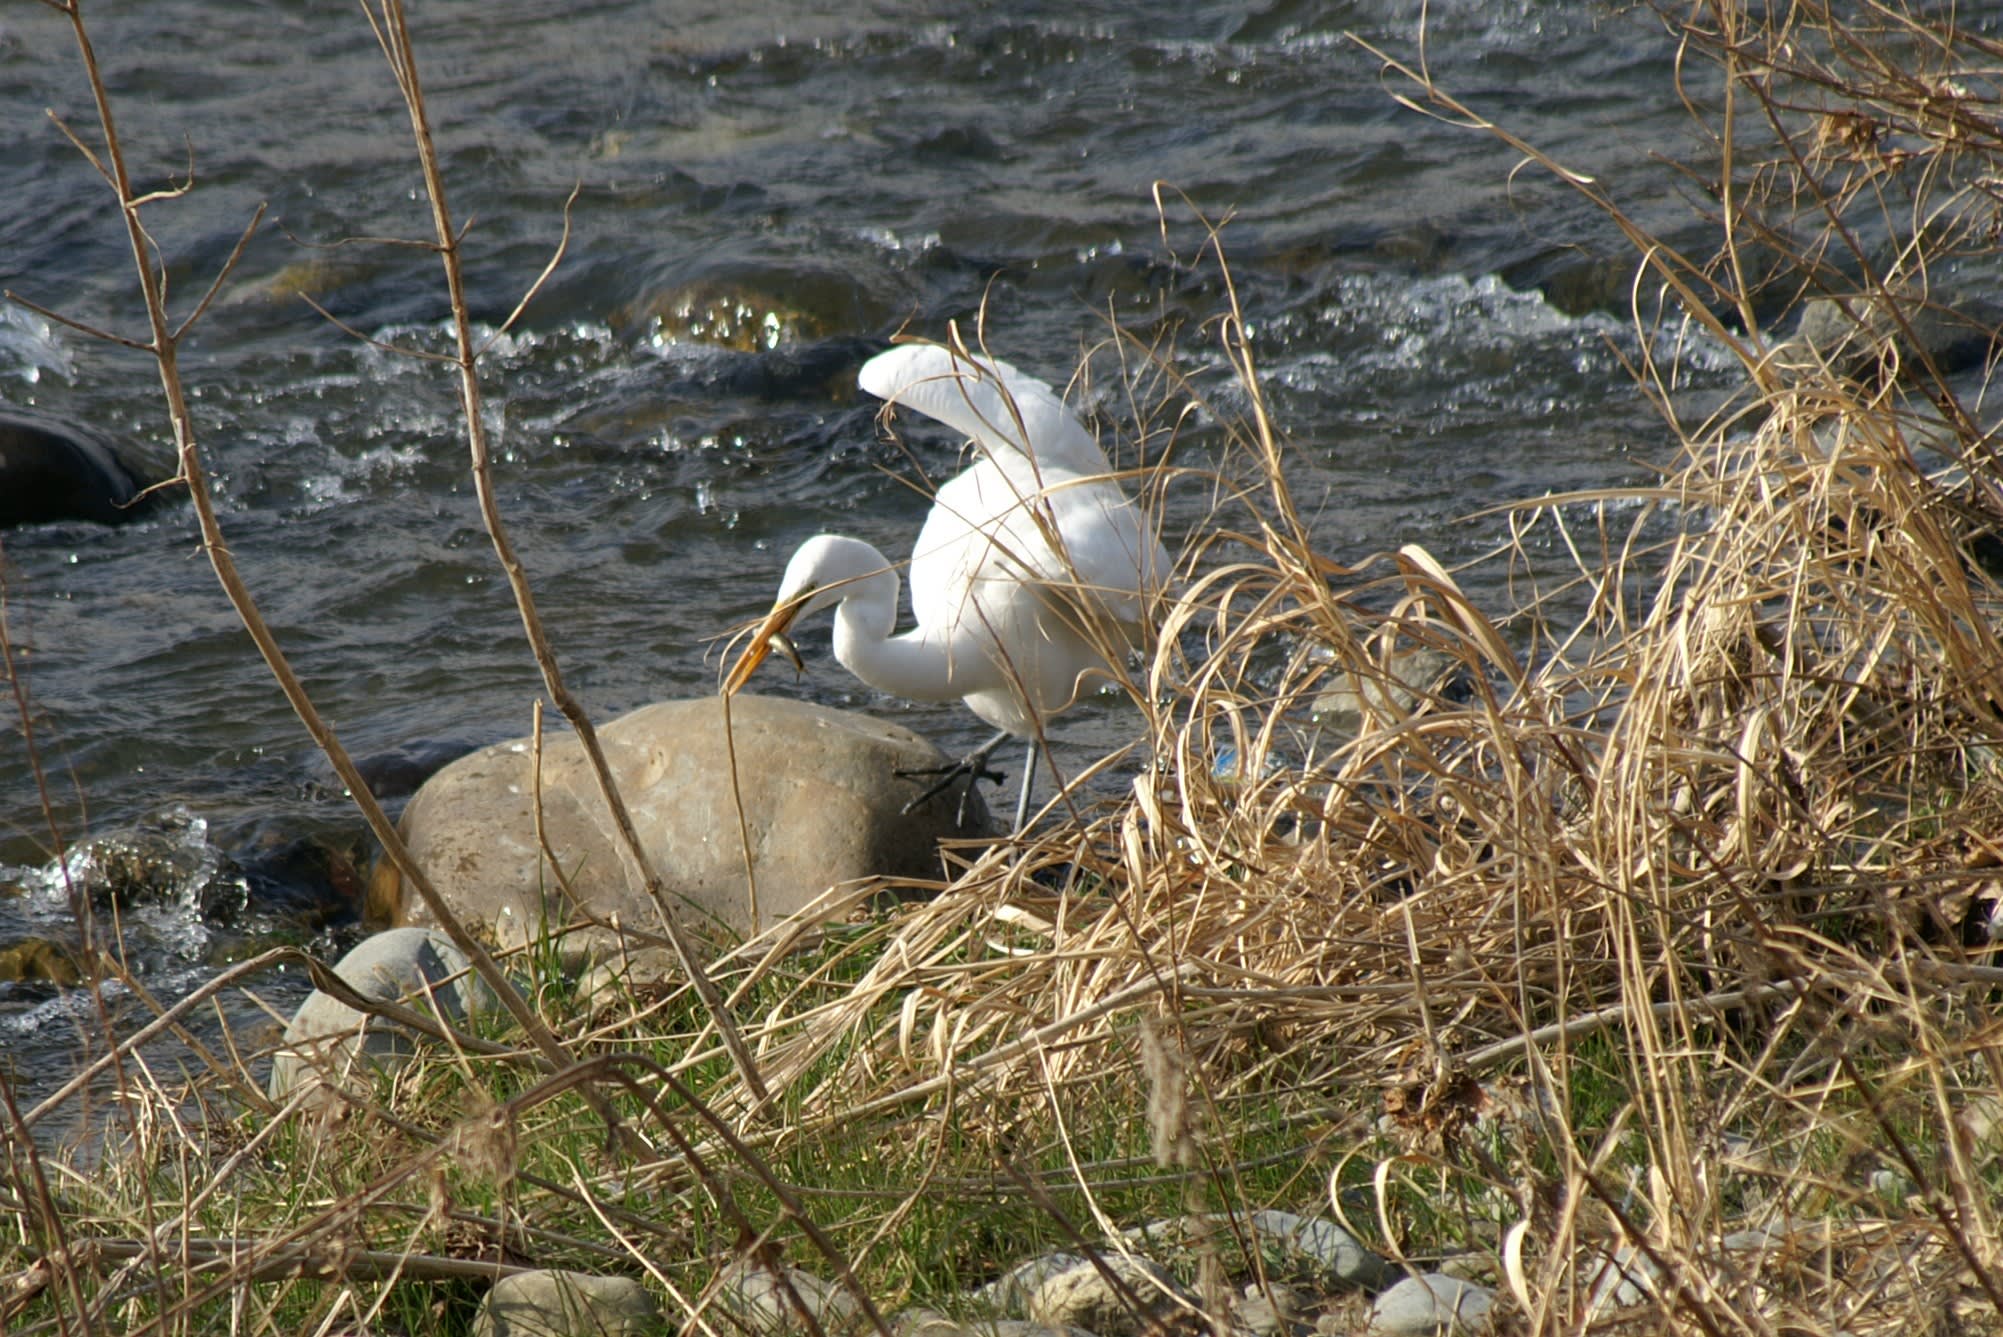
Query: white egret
(1032, 573)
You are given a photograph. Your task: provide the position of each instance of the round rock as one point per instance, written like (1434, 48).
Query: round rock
(927, 1323)
(51, 471)
(822, 805)
(566, 1304)
(327, 1039)
(769, 1302)
(1082, 1296)
(1435, 1302)
(1338, 1255)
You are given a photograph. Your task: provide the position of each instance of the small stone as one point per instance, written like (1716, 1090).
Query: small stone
(759, 1298)
(566, 1304)
(612, 982)
(1379, 697)
(1331, 1253)
(1982, 1119)
(929, 1323)
(327, 1039)
(1268, 1311)
(1891, 1185)
(1338, 1255)
(1469, 1267)
(1009, 1293)
(1423, 1305)
(1081, 1296)
(1625, 1278)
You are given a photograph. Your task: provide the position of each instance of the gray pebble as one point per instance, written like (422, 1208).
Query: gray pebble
(1423, 1305)
(1624, 1279)
(1081, 1296)
(1338, 1255)
(928, 1323)
(566, 1304)
(758, 1298)
(327, 1039)
(1332, 1254)
(1009, 1293)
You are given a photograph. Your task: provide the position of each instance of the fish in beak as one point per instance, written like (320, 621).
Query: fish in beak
(769, 633)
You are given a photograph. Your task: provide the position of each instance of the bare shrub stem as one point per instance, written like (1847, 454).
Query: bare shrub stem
(393, 32)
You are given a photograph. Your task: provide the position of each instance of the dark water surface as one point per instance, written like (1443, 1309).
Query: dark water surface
(765, 192)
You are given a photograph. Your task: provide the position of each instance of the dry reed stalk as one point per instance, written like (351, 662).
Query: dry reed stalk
(392, 32)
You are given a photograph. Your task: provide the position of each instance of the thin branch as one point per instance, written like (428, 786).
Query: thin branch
(222, 275)
(166, 354)
(421, 354)
(562, 245)
(392, 30)
(79, 326)
(76, 142)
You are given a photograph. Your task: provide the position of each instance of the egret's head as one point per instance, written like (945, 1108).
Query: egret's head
(815, 578)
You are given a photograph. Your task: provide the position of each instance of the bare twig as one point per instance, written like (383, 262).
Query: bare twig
(166, 353)
(392, 31)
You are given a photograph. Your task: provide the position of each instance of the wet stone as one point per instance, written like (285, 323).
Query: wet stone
(39, 959)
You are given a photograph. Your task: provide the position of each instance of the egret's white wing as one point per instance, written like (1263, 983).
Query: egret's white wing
(1002, 410)
(992, 527)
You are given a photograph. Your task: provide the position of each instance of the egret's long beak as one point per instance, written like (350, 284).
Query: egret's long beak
(770, 632)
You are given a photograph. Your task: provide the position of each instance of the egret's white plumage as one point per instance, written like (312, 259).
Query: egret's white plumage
(1032, 569)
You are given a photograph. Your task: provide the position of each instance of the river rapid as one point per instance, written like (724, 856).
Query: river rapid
(764, 194)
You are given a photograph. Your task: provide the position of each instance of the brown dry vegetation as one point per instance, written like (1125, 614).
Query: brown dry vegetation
(1661, 922)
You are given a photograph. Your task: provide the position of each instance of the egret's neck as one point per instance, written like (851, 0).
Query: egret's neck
(914, 666)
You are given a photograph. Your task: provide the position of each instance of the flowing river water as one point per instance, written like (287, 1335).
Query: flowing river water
(764, 193)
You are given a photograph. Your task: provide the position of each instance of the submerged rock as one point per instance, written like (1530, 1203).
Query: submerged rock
(41, 960)
(750, 306)
(53, 471)
(168, 858)
(1859, 334)
(822, 804)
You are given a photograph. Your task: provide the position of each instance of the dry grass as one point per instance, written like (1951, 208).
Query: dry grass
(1660, 930)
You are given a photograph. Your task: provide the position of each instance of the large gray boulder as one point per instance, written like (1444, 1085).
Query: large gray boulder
(823, 804)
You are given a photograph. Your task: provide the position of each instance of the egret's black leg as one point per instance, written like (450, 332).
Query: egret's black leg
(974, 766)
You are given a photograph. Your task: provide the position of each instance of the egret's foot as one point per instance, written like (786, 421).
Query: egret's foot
(973, 767)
